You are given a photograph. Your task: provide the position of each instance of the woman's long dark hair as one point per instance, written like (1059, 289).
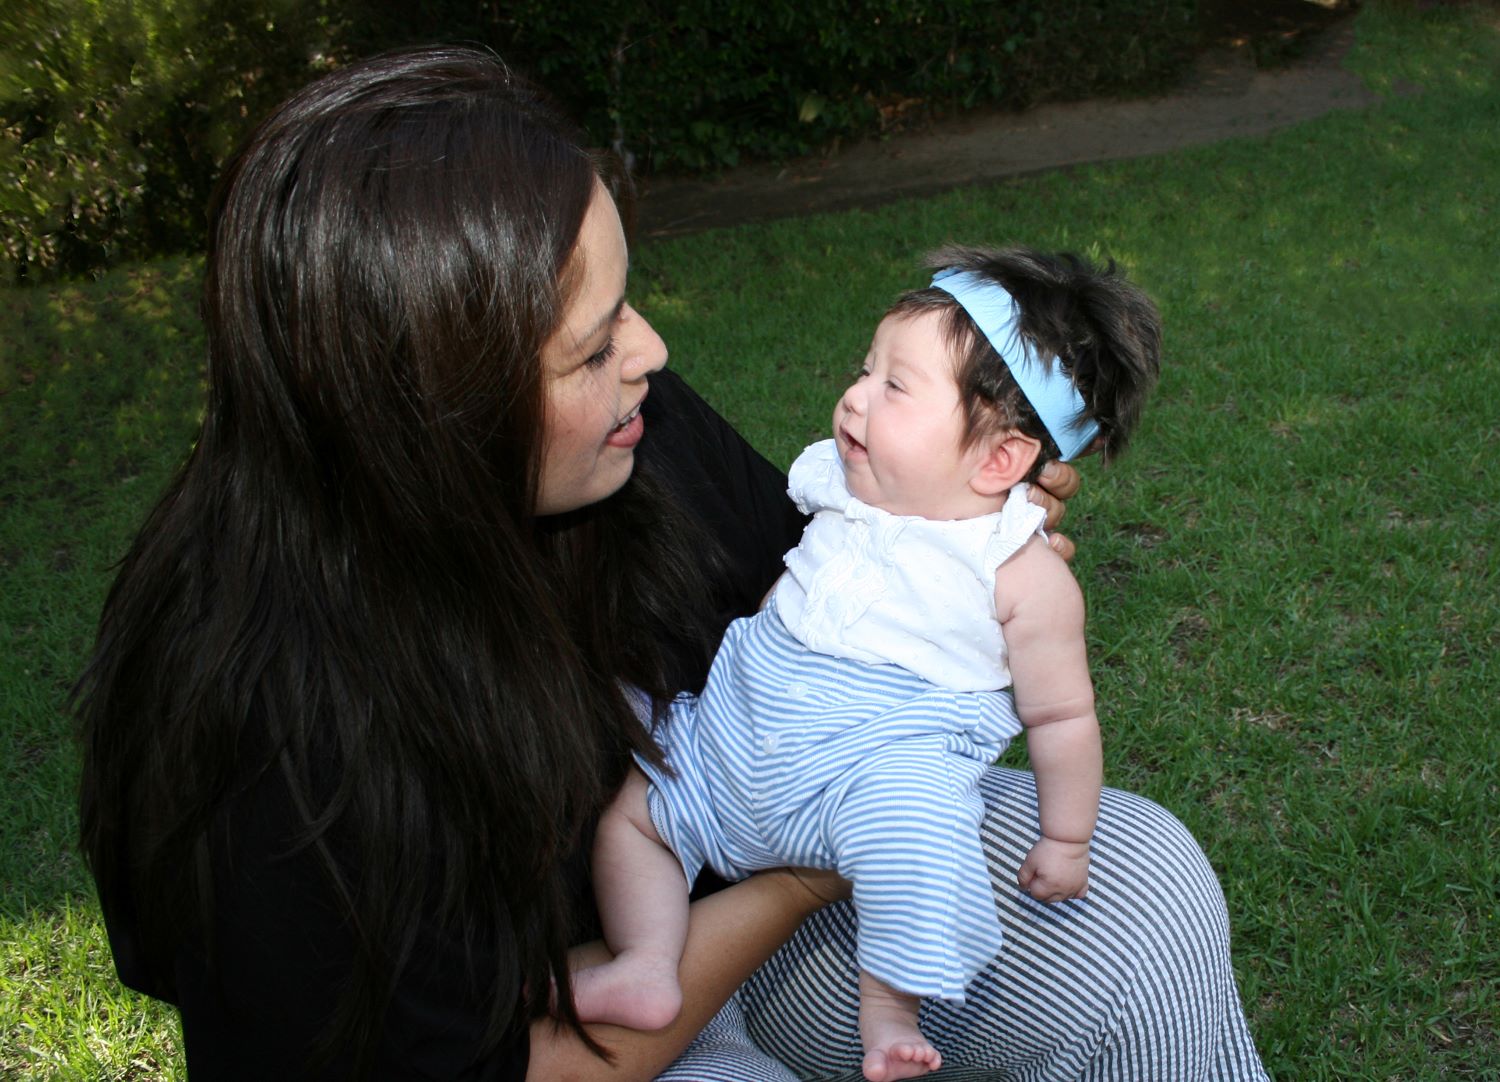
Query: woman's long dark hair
(346, 587)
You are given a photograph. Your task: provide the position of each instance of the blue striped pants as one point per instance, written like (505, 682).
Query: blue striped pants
(1132, 983)
(793, 757)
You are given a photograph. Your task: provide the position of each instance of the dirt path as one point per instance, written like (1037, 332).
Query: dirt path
(1226, 97)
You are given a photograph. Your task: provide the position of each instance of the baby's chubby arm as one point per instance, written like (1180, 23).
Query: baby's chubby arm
(1041, 612)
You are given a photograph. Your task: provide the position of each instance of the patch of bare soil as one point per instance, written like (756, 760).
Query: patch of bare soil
(1231, 93)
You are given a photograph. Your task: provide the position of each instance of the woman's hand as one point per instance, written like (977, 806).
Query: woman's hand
(730, 933)
(1055, 486)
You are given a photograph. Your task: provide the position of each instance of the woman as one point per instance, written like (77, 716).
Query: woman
(357, 694)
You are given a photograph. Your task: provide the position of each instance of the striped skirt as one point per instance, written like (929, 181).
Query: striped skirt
(1131, 983)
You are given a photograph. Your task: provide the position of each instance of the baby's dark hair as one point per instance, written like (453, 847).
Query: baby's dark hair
(1104, 331)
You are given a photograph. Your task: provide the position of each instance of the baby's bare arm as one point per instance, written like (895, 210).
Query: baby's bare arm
(1041, 611)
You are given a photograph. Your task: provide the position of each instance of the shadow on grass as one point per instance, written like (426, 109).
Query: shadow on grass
(100, 406)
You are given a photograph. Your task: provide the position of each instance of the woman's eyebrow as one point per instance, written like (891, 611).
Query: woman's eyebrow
(608, 318)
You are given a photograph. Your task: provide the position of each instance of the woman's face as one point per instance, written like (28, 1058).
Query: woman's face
(595, 367)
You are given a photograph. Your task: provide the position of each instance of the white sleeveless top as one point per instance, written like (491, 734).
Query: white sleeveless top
(891, 589)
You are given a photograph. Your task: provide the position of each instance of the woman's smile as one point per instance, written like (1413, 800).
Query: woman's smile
(629, 431)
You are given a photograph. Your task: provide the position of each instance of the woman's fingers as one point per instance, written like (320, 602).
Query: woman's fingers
(1054, 507)
(1057, 483)
(1055, 486)
(1060, 479)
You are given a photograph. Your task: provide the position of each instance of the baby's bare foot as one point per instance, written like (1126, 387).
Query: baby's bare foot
(894, 1046)
(901, 1059)
(635, 990)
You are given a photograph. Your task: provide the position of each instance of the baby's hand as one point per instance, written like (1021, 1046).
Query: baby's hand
(1055, 871)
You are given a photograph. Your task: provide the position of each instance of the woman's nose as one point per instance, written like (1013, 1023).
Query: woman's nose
(645, 352)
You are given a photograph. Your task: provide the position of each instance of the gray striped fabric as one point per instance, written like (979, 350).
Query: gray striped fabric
(1132, 983)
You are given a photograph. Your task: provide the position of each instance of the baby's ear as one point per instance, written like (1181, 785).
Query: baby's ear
(1009, 458)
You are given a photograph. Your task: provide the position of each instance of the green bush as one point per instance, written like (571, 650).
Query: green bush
(115, 115)
(699, 84)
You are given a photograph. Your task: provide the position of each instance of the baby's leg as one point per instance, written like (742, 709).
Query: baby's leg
(643, 905)
(894, 1046)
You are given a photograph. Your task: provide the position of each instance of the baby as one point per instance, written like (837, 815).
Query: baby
(847, 723)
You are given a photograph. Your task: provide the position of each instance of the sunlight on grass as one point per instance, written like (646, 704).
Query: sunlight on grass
(71, 309)
(63, 1014)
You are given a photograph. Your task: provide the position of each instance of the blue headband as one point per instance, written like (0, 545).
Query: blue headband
(1047, 387)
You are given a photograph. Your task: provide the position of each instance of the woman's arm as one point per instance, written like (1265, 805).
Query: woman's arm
(729, 935)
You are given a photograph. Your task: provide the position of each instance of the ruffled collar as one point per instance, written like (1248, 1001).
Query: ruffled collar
(816, 483)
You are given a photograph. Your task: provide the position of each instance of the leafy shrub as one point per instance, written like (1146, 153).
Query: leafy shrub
(115, 115)
(699, 84)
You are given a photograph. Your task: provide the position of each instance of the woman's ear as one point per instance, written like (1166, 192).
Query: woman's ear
(1009, 458)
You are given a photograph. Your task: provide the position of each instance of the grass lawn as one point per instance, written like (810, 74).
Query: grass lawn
(1293, 577)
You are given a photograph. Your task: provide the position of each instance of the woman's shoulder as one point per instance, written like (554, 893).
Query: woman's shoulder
(722, 482)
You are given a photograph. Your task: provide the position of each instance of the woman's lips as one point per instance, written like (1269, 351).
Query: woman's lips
(628, 432)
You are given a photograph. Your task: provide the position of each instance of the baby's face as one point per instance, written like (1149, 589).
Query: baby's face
(899, 428)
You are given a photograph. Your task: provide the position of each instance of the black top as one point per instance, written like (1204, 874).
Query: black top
(283, 951)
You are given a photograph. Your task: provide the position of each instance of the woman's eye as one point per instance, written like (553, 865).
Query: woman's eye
(603, 357)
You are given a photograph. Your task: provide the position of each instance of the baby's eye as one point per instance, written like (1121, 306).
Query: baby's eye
(892, 385)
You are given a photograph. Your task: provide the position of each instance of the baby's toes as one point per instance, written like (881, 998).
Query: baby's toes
(917, 1051)
(906, 1060)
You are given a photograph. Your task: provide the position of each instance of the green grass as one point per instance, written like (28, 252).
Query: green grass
(1293, 576)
